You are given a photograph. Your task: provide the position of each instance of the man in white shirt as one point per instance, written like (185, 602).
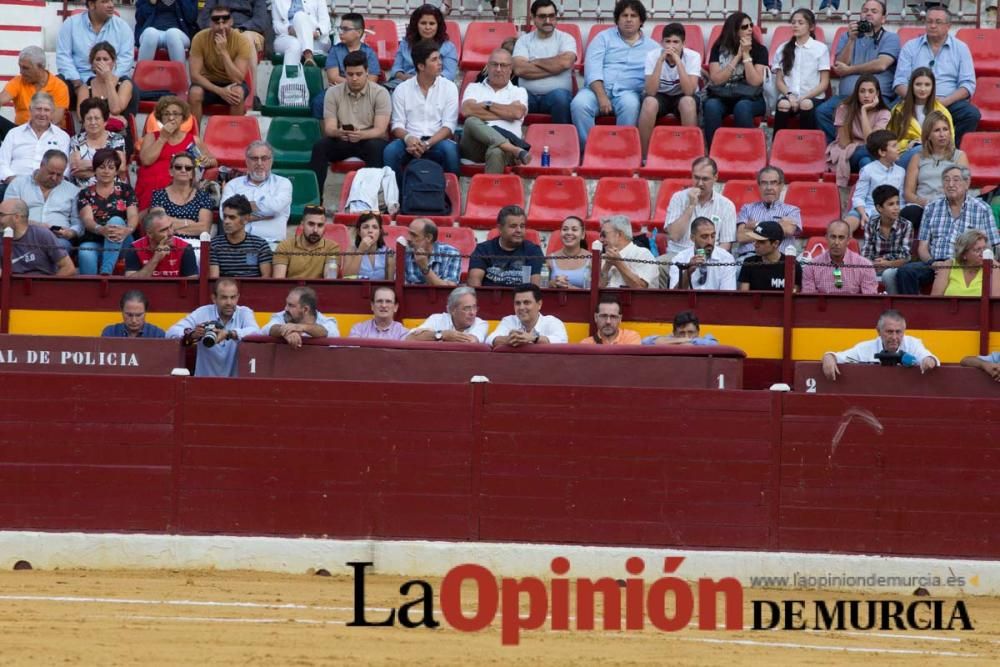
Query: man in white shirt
(699, 201)
(24, 146)
(672, 76)
(300, 319)
(458, 325)
(527, 326)
(493, 113)
(543, 62)
(270, 195)
(424, 115)
(625, 264)
(892, 337)
(703, 266)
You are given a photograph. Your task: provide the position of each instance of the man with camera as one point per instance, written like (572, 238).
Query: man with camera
(219, 327)
(300, 319)
(892, 347)
(866, 48)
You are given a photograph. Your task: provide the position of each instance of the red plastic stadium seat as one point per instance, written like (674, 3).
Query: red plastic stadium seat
(741, 192)
(668, 187)
(982, 149)
(621, 196)
(554, 198)
(819, 203)
(454, 192)
(783, 33)
(555, 241)
(833, 50)
(342, 216)
(817, 244)
(611, 151)
(221, 109)
(908, 33)
(462, 238)
(467, 78)
(487, 194)
(227, 138)
(392, 232)
(337, 233)
(160, 75)
(529, 235)
(985, 48)
(564, 150)
(382, 37)
(801, 154)
(987, 100)
(596, 30)
(455, 37)
(671, 152)
(694, 39)
(739, 152)
(481, 37)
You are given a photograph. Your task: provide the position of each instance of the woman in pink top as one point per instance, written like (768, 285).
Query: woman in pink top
(856, 118)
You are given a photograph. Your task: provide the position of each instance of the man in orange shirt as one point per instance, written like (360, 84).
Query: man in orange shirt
(32, 79)
(608, 317)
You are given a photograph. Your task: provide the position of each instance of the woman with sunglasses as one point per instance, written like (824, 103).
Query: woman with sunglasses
(371, 260)
(188, 208)
(737, 67)
(160, 146)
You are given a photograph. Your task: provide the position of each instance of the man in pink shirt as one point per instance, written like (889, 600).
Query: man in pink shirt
(839, 270)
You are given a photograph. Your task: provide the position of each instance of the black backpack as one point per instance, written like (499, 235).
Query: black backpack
(424, 189)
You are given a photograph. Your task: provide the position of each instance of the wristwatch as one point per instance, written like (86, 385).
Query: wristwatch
(487, 105)
(438, 335)
(535, 339)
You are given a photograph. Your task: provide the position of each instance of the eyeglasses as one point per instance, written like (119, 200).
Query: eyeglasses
(746, 26)
(838, 277)
(499, 65)
(259, 158)
(221, 18)
(346, 28)
(184, 167)
(171, 114)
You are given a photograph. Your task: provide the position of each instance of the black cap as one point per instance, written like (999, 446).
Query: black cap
(769, 230)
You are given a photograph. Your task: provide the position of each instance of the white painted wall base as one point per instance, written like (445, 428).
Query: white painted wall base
(422, 558)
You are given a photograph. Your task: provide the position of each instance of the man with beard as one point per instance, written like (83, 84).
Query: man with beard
(892, 337)
(219, 326)
(305, 255)
(608, 317)
(270, 195)
(382, 325)
(300, 319)
(237, 253)
(703, 266)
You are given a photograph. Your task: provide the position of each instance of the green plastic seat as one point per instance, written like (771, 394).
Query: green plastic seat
(305, 191)
(314, 80)
(292, 140)
(279, 59)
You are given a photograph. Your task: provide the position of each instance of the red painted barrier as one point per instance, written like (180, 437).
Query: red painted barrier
(77, 354)
(951, 381)
(588, 465)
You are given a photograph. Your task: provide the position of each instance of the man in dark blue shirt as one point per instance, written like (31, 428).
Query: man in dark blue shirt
(508, 259)
(133, 325)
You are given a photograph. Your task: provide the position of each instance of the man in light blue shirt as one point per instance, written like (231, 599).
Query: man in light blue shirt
(858, 53)
(219, 358)
(951, 62)
(79, 33)
(989, 364)
(614, 71)
(300, 319)
(51, 200)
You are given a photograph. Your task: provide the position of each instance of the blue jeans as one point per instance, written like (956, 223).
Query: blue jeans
(585, 109)
(907, 155)
(743, 111)
(555, 103)
(965, 117)
(912, 276)
(859, 158)
(830, 3)
(90, 250)
(445, 153)
(824, 116)
(172, 39)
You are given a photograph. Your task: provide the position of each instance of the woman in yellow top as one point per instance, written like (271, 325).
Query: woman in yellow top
(908, 116)
(963, 275)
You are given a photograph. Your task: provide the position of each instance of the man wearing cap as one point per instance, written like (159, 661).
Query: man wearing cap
(892, 337)
(839, 270)
(766, 269)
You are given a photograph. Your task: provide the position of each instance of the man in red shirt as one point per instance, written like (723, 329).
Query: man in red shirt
(158, 254)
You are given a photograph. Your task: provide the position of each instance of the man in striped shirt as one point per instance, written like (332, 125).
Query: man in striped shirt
(770, 183)
(236, 253)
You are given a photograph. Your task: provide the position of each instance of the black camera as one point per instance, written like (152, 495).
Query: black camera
(212, 330)
(887, 358)
(865, 27)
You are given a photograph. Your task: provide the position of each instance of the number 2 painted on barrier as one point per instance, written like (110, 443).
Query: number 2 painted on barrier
(810, 385)
(253, 365)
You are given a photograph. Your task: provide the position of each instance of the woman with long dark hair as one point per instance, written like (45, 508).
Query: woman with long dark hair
(737, 67)
(856, 117)
(426, 22)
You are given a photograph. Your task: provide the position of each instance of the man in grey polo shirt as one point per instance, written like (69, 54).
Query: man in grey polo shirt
(857, 53)
(50, 199)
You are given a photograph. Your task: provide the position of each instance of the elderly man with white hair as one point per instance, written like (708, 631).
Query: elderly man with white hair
(459, 324)
(625, 264)
(24, 146)
(892, 340)
(269, 194)
(33, 78)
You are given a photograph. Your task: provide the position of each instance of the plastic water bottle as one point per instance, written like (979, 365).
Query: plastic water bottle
(330, 272)
(546, 157)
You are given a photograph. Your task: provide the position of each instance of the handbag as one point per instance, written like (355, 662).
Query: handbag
(735, 91)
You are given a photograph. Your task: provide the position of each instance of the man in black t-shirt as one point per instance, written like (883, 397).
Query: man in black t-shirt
(766, 269)
(508, 259)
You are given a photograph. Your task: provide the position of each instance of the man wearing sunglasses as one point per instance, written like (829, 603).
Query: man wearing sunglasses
(703, 266)
(249, 18)
(839, 270)
(543, 62)
(220, 59)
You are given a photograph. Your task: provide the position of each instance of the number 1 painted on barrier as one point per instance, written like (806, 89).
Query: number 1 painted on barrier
(722, 381)
(253, 365)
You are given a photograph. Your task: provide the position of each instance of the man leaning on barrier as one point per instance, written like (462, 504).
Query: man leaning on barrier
(608, 317)
(383, 323)
(300, 318)
(527, 326)
(891, 347)
(134, 305)
(218, 326)
(458, 325)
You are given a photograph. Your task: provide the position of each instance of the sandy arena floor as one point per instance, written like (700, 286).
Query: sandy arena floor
(239, 618)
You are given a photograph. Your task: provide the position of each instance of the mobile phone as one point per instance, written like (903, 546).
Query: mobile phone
(425, 138)
(55, 228)
(348, 128)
